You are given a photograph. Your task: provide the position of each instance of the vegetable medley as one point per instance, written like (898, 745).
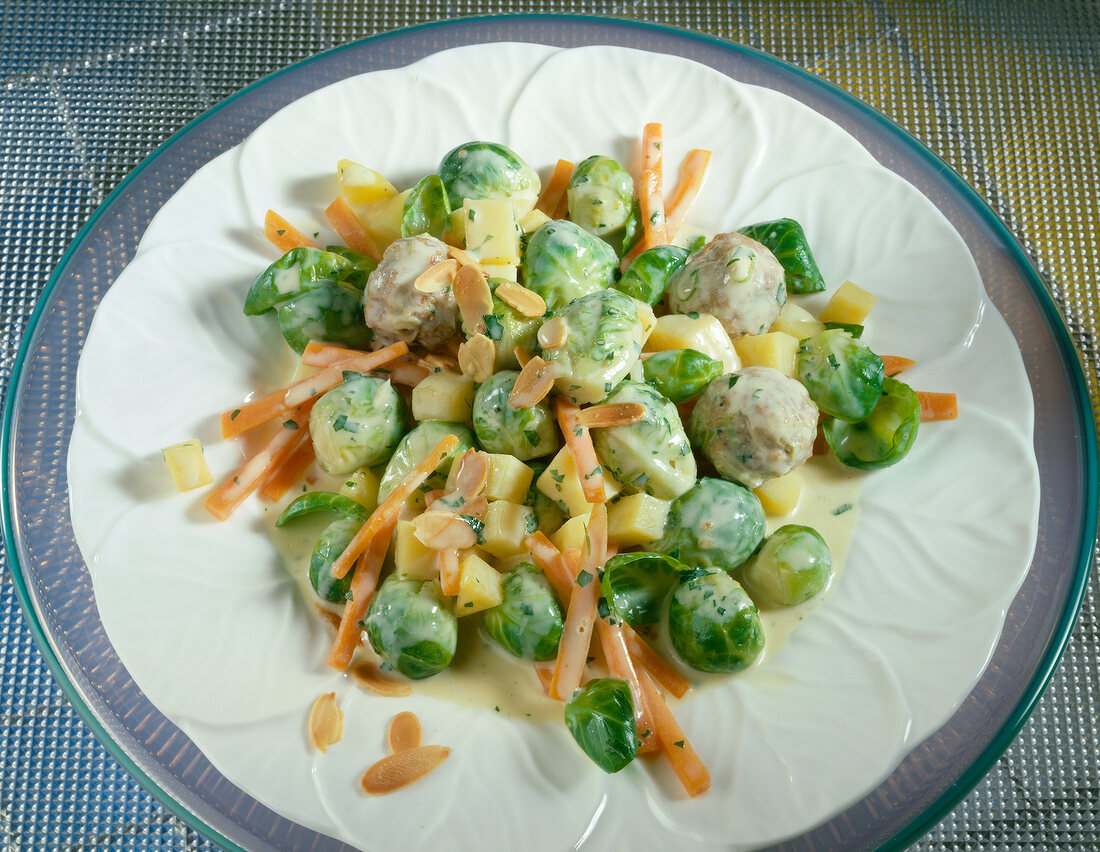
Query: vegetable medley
(551, 409)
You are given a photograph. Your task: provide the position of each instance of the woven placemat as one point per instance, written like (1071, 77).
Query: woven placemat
(1008, 94)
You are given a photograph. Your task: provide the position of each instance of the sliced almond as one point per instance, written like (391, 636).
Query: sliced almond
(533, 383)
(432, 497)
(611, 414)
(476, 357)
(443, 530)
(329, 616)
(522, 355)
(326, 722)
(474, 298)
(527, 302)
(446, 565)
(469, 474)
(401, 769)
(403, 732)
(466, 259)
(366, 674)
(435, 362)
(551, 333)
(437, 277)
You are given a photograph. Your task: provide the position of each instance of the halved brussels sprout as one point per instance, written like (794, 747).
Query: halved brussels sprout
(884, 436)
(600, 194)
(601, 719)
(717, 524)
(489, 170)
(787, 241)
(411, 626)
(426, 210)
(647, 277)
(528, 622)
(525, 433)
(322, 501)
(332, 313)
(548, 514)
(791, 566)
(636, 585)
(362, 266)
(842, 374)
(296, 272)
(680, 374)
(713, 624)
(416, 445)
(562, 262)
(508, 328)
(333, 541)
(357, 424)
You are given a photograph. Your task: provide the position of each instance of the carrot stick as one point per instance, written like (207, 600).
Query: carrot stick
(938, 406)
(656, 665)
(686, 763)
(545, 676)
(293, 468)
(446, 561)
(549, 560)
(554, 191)
(652, 135)
(692, 172)
(283, 235)
(403, 370)
(579, 440)
(363, 585)
(621, 665)
(387, 511)
(347, 225)
(651, 201)
(250, 414)
(895, 364)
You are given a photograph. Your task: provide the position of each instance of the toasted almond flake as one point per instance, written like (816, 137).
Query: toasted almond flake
(435, 362)
(522, 355)
(326, 722)
(611, 414)
(329, 616)
(469, 474)
(474, 298)
(533, 383)
(366, 674)
(551, 334)
(527, 302)
(401, 769)
(476, 358)
(467, 260)
(446, 566)
(443, 530)
(403, 732)
(437, 277)
(432, 497)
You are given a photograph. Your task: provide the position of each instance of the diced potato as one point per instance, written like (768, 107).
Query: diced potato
(532, 221)
(507, 524)
(796, 321)
(410, 557)
(187, 464)
(636, 519)
(775, 349)
(779, 496)
(561, 483)
(649, 321)
(849, 304)
(510, 563)
(509, 478)
(382, 219)
(479, 585)
(491, 232)
(362, 487)
(360, 185)
(501, 270)
(444, 396)
(572, 534)
(703, 333)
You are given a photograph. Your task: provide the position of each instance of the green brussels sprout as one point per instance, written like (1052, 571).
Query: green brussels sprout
(357, 424)
(603, 339)
(854, 329)
(508, 328)
(713, 624)
(648, 275)
(636, 585)
(525, 433)
(296, 272)
(787, 241)
(680, 374)
(333, 541)
(652, 455)
(600, 195)
(323, 501)
(601, 719)
(489, 170)
(527, 623)
(562, 262)
(416, 445)
(884, 436)
(411, 626)
(426, 210)
(332, 313)
(791, 566)
(842, 374)
(548, 514)
(716, 524)
(362, 266)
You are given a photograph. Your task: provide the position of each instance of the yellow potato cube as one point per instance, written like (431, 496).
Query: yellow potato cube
(779, 496)
(362, 487)
(636, 519)
(491, 232)
(572, 534)
(649, 321)
(411, 558)
(187, 465)
(796, 321)
(703, 333)
(509, 478)
(506, 526)
(382, 219)
(531, 222)
(774, 349)
(360, 185)
(501, 270)
(444, 396)
(850, 304)
(561, 483)
(479, 585)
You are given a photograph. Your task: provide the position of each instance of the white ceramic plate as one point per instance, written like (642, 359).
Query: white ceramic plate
(213, 630)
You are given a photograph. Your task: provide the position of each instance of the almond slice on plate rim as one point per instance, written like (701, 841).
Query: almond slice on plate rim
(477, 356)
(366, 674)
(532, 384)
(611, 414)
(326, 722)
(403, 732)
(437, 277)
(402, 768)
(527, 302)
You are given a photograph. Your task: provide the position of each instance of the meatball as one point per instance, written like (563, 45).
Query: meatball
(736, 279)
(395, 309)
(754, 425)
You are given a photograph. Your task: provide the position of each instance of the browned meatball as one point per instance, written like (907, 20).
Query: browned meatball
(395, 309)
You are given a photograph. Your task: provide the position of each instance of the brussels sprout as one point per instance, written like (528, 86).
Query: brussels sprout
(680, 374)
(412, 449)
(411, 626)
(787, 241)
(331, 313)
(842, 374)
(884, 436)
(323, 501)
(562, 262)
(357, 424)
(603, 338)
(600, 194)
(713, 624)
(489, 170)
(717, 524)
(548, 514)
(791, 566)
(297, 271)
(333, 541)
(426, 210)
(854, 329)
(601, 719)
(648, 275)
(527, 623)
(636, 585)
(525, 433)
(652, 455)
(508, 328)
(362, 266)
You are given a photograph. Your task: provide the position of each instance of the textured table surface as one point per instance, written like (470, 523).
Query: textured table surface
(1007, 93)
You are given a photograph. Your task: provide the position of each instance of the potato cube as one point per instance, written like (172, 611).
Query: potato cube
(572, 535)
(796, 321)
(479, 585)
(382, 219)
(187, 465)
(362, 487)
(532, 221)
(779, 496)
(360, 185)
(444, 396)
(506, 526)
(411, 558)
(774, 349)
(509, 478)
(491, 232)
(636, 519)
(849, 304)
(561, 483)
(703, 333)
(501, 270)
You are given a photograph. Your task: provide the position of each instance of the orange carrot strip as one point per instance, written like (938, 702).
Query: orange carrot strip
(545, 676)
(579, 440)
(686, 763)
(658, 668)
(403, 370)
(388, 509)
(651, 201)
(620, 665)
(231, 493)
(896, 364)
(347, 225)
(938, 406)
(446, 561)
(652, 140)
(692, 172)
(363, 585)
(554, 191)
(283, 235)
(293, 468)
(549, 560)
(250, 414)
